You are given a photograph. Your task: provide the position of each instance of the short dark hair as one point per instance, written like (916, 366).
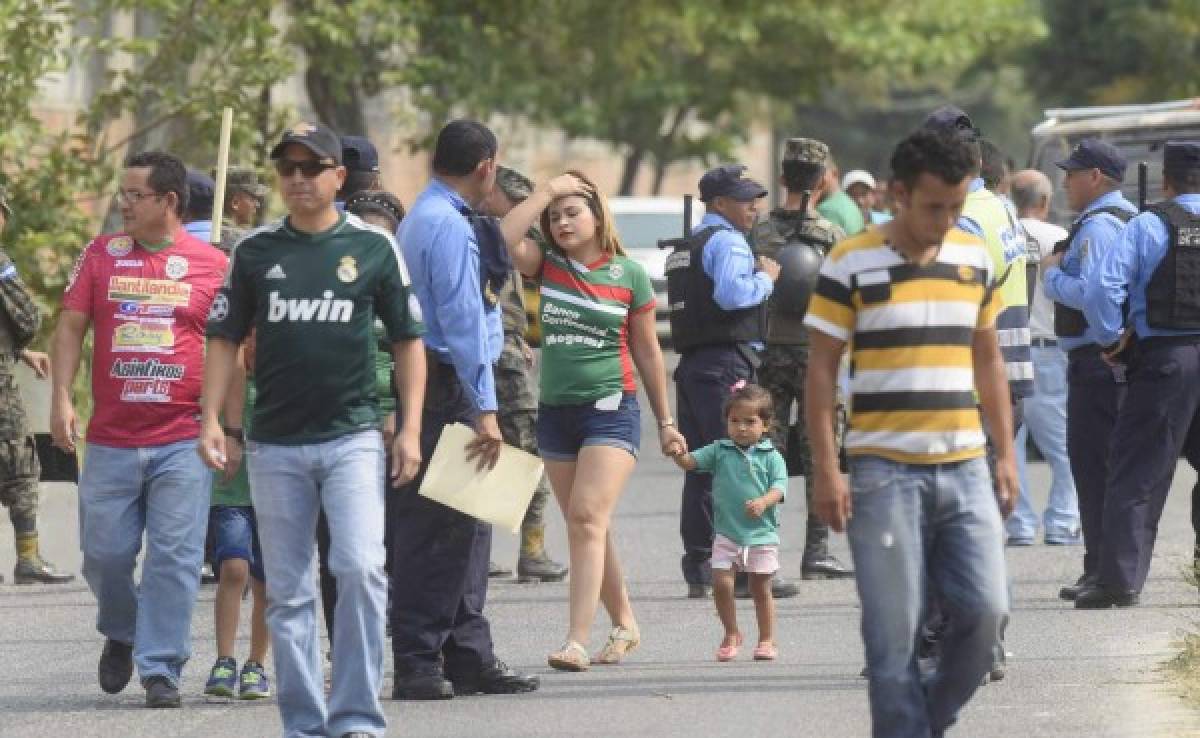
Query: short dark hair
(167, 174)
(461, 145)
(943, 155)
(995, 164)
(799, 176)
(755, 396)
(358, 181)
(1183, 182)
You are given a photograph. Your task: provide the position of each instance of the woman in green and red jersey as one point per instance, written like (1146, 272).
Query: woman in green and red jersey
(597, 319)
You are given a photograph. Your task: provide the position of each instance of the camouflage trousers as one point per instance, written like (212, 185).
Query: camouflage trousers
(782, 373)
(518, 422)
(19, 474)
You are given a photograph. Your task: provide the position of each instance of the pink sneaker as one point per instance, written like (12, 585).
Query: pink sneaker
(729, 652)
(765, 651)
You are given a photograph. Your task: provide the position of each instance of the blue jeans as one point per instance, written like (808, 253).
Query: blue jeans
(163, 491)
(563, 430)
(1046, 419)
(234, 533)
(916, 527)
(290, 484)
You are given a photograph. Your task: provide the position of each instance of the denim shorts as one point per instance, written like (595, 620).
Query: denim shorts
(235, 536)
(562, 430)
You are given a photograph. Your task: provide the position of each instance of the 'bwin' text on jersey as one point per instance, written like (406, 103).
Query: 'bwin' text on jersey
(324, 310)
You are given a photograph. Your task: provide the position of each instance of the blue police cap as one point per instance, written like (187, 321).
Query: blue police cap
(727, 181)
(1181, 156)
(359, 154)
(950, 119)
(1092, 153)
(201, 191)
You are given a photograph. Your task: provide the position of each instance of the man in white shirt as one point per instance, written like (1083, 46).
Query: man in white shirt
(1046, 410)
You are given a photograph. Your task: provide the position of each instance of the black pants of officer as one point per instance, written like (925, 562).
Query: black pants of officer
(1159, 420)
(704, 380)
(1094, 398)
(439, 559)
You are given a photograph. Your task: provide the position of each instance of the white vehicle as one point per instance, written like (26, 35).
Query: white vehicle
(1139, 131)
(641, 223)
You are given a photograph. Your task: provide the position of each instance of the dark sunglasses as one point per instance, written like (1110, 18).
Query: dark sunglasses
(309, 167)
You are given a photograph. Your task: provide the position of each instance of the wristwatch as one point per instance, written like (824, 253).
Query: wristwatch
(234, 433)
(666, 423)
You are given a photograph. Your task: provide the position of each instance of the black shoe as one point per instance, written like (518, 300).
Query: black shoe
(1097, 597)
(422, 686)
(358, 734)
(699, 592)
(207, 575)
(39, 571)
(781, 589)
(1071, 591)
(824, 567)
(539, 569)
(496, 679)
(116, 666)
(496, 571)
(161, 693)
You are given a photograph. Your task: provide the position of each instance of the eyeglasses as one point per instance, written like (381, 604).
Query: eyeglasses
(309, 167)
(133, 197)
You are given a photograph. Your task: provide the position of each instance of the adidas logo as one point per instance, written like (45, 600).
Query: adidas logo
(275, 272)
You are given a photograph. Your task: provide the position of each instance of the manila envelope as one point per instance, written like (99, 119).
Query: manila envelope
(498, 496)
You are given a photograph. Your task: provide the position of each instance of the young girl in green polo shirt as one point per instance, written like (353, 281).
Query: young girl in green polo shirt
(749, 480)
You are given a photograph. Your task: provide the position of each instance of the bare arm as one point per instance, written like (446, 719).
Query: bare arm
(220, 359)
(684, 461)
(525, 255)
(831, 497)
(991, 382)
(409, 360)
(67, 348)
(647, 356)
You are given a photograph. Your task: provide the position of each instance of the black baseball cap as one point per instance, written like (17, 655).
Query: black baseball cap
(727, 181)
(951, 119)
(1181, 156)
(317, 138)
(201, 191)
(1092, 153)
(359, 154)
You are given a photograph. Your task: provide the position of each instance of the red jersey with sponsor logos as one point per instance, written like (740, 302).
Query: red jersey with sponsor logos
(148, 312)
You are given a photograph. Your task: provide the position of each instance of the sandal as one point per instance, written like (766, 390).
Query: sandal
(571, 657)
(621, 642)
(730, 652)
(765, 651)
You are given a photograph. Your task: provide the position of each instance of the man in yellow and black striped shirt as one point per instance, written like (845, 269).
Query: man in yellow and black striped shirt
(916, 302)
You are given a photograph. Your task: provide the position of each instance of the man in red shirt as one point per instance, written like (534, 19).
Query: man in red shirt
(146, 294)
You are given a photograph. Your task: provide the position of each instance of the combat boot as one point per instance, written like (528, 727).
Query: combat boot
(534, 565)
(818, 563)
(31, 568)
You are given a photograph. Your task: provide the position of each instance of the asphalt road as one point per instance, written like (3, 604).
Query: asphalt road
(1071, 673)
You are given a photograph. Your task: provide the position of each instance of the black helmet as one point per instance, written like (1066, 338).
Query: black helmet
(799, 264)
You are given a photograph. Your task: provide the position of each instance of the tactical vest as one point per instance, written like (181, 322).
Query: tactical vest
(799, 256)
(1173, 295)
(696, 318)
(1069, 322)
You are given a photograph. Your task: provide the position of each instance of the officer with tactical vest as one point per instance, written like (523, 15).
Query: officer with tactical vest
(797, 237)
(718, 293)
(19, 467)
(1095, 389)
(1156, 269)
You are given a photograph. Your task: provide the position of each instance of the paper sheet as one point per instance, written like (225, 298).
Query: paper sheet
(499, 496)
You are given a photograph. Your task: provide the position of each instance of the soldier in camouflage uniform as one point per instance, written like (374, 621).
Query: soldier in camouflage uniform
(19, 468)
(785, 361)
(517, 398)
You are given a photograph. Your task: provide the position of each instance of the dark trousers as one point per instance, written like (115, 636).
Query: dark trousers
(439, 559)
(1094, 399)
(704, 380)
(1158, 421)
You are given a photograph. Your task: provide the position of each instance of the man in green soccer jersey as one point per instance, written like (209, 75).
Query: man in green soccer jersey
(311, 286)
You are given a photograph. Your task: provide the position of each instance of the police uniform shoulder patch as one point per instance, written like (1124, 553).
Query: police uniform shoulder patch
(1084, 248)
(347, 270)
(119, 246)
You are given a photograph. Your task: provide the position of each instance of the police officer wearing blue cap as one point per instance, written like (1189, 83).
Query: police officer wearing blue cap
(197, 220)
(1156, 268)
(718, 293)
(1095, 389)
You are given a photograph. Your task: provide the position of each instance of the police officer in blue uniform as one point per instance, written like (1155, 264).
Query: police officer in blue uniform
(718, 294)
(1156, 267)
(1095, 389)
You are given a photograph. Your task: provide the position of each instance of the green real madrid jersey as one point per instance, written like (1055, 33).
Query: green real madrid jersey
(585, 326)
(313, 299)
